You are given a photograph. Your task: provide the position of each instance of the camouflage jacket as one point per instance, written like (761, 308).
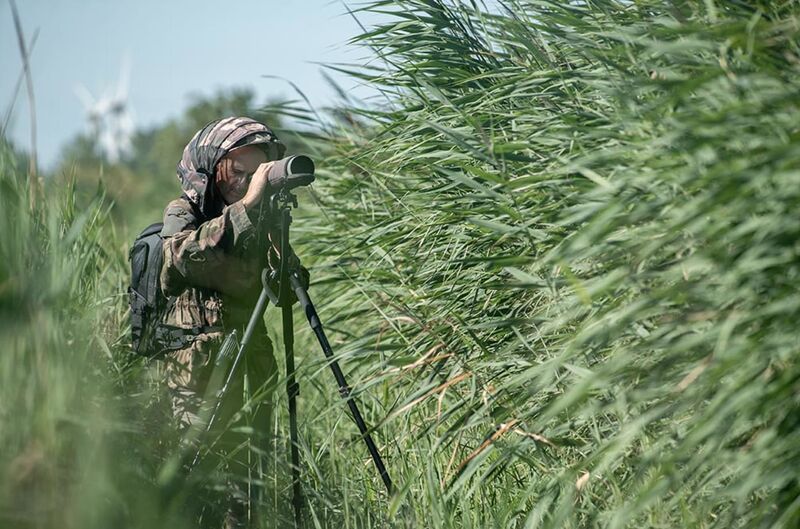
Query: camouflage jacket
(213, 267)
(214, 253)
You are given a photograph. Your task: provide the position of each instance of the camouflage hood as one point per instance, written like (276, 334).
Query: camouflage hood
(197, 167)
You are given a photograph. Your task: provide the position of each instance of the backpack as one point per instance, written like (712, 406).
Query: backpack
(144, 293)
(149, 336)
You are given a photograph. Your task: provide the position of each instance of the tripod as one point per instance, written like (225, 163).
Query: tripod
(288, 280)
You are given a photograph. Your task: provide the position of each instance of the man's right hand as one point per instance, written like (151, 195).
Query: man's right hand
(258, 187)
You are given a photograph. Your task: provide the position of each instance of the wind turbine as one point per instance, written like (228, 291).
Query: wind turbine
(109, 116)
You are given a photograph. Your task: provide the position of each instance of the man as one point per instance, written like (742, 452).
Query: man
(217, 239)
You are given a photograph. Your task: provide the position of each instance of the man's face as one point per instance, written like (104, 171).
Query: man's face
(235, 170)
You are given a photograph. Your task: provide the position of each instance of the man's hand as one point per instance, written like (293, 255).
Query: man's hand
(259, 186)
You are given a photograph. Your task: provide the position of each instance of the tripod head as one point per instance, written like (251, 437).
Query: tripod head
(285, 175)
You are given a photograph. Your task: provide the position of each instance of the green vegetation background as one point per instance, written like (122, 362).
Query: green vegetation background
(559, 263)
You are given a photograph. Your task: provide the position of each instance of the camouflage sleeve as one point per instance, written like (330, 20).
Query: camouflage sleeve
(203, 255)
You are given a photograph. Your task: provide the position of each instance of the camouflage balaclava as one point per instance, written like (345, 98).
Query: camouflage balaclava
(196, 170)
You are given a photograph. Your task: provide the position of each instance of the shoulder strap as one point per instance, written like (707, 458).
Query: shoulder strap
(195, 209)
(179, 214)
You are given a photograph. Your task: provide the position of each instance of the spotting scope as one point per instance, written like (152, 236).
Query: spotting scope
(290, 172)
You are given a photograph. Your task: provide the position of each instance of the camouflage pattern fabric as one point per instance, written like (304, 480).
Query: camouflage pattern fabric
(207, 147)
(214, 269)
(213, 258)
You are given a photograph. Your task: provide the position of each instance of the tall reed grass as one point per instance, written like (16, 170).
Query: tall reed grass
(562, 261)
(84, 429)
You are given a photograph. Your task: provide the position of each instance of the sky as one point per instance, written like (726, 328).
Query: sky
(175, 49)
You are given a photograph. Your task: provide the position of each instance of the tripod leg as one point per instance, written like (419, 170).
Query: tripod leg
(344, 389)
(258, 313)
(292, 390)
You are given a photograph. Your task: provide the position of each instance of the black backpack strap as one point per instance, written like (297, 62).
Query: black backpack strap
(198, 215)
(180, 214)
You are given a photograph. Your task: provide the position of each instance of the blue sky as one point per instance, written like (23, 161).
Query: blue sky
(175, 48)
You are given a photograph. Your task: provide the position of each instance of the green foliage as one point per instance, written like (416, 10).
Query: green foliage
(560, 267)
(564, 262)
(86, 430)
(59, 279)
